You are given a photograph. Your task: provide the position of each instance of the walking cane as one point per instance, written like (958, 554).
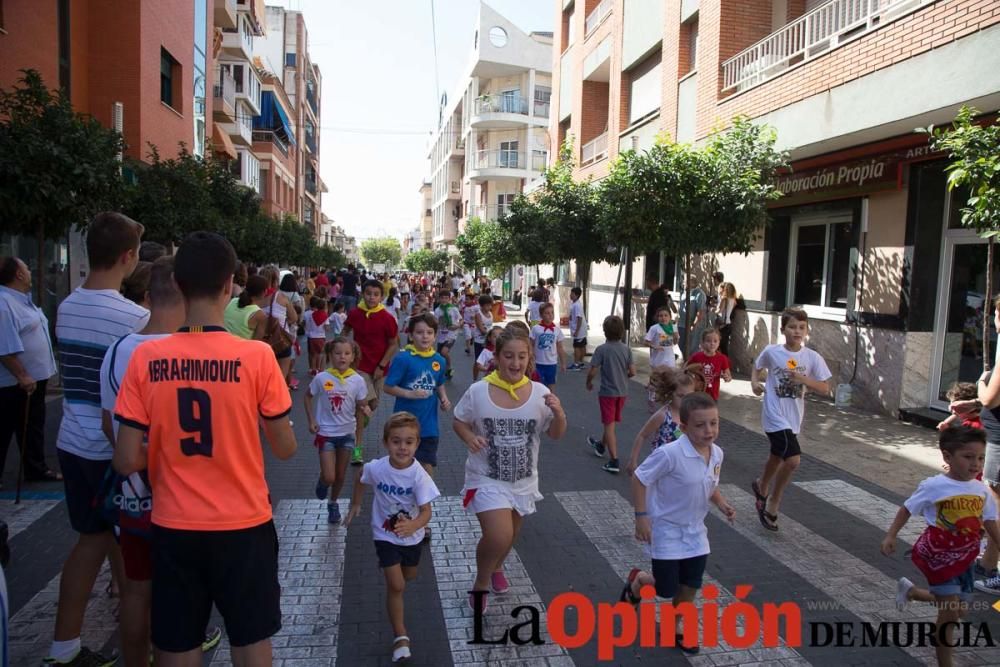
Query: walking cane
(24, 445)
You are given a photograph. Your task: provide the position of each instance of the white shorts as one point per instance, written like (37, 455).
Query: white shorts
(498, 498)
(467, 328)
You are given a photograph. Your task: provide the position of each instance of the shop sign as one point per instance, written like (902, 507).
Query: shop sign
(873, 174)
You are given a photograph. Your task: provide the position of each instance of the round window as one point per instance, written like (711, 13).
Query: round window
(498, 37)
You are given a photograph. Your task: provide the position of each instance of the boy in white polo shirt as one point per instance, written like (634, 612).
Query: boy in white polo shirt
(671, 491)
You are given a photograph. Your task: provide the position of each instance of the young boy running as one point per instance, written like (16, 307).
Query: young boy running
(613, 360)
(671, 491)
(714, 364)
(791, 369)
(200, 395)
(957, 508)
(547, 338)
(577, 329)
(401, 509)
(450, 321)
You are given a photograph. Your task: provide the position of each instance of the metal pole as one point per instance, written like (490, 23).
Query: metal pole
(627, 295)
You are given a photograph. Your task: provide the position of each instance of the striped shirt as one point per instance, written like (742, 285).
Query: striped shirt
(87, 324)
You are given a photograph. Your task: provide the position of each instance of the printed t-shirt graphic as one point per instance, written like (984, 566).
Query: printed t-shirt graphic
(337, 399)
(713, 368)
(199, 395)
(447, 318)
(663, 336)
(372, 334)
(546, 340)
(784, 403)
(398, 494)
(412, 371)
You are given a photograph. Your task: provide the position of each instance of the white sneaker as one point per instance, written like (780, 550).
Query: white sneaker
(991, 585)
(903, 587)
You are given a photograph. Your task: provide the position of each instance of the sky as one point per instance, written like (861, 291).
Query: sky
(380, 100)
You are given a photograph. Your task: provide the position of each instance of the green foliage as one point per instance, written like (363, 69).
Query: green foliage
(974, 150)
(57, 167)
(491, 245)
(427, 260)
(381, 251)
(328, 257)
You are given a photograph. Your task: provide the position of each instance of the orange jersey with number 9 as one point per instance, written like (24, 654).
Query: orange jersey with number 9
(199, 395)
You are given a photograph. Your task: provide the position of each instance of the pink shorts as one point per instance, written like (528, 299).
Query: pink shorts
(611, 408)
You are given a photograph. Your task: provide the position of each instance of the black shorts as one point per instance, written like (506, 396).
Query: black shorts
(784, 444)
(580, 342)
(284, 355)
(235, 569)
(671, 574)
(448, 344)
(84, 482)
(477, 349)
(427, 450)
(390, 554)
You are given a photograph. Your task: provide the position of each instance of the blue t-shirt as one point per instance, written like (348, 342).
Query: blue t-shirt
(411, 371)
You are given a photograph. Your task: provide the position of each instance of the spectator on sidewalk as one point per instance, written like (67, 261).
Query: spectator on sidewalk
(27, 364)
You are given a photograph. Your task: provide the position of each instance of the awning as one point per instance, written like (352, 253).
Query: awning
(221, 143)
(273, 117)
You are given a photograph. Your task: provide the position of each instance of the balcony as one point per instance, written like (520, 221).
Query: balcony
(224, 96)
(810, 36)
(311, 142)
(310, 183)
(224, 13)
(594, 150)
(595, 17)
(247, 86)
(504, 163)
(272, 138)
(240, 130)
(238, 40)
(311, 99)
(489, 212)
(503, 112)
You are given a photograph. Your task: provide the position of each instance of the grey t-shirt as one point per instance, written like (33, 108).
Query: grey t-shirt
(614, 359)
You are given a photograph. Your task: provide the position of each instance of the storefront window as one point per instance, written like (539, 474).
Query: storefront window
(821, 262)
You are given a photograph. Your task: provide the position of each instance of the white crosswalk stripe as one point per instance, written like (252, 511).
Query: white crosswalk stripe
(610, 531)
(311, 574)
(19, 517)
(456, 533)
(859, 503)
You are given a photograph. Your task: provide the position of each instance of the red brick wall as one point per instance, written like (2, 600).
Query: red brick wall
(113, 69)
(670, 65)
(796, 8)
(594, 112)
(170, 24)
(31, 42)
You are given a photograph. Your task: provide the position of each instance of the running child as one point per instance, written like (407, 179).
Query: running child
(957, 508)
(533, 315)
(335, 404)
(401, 508)
(483, 322)
(501, 420)
(671, 491)
(548, 338)
(469, 308)
(670, 386)
(613, 359)
(967, 393)
(484, 362)
(317, 323)
(450, 321)
(791, 369)
(416, 378)
(577, 329)
(337, 319)
(661, 338)
(714, 363)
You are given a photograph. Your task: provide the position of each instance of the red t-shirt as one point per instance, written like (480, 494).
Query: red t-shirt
(713, 367)
(321, 279)
(373, 335)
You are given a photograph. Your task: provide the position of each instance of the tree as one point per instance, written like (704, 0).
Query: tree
(381, 251)
(427, 260)
(489, 244)
(58, 168)
(974, 150)
(327, 257)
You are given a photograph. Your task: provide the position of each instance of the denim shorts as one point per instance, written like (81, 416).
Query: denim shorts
(963, 586)
(334, 442)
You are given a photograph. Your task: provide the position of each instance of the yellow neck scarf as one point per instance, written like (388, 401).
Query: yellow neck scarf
(510, 387)
(370, 311)
(340, 376)
(414, 351)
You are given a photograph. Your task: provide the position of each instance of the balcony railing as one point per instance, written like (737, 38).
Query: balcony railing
(502, 104)
(489, 212)
(310, 184)
(225, 87)
(510, 159)
(542, 108)
(809, 36)
(269, 136)
(595, 17)
(594, 150)
(311, 142)
(311, 99)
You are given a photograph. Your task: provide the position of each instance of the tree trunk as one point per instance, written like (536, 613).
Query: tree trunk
(627, 296)
(583, 280)
(40, 269)
(687, 307)
(988, 310)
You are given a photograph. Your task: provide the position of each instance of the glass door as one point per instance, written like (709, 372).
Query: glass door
(963, 304)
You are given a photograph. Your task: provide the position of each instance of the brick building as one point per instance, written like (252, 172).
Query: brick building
(867, 238)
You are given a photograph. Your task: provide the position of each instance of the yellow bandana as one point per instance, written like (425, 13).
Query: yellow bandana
(414, 351)
(369, 312)
(340, 376)
(510, 387)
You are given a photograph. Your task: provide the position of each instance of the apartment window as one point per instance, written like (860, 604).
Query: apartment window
(504, 201)
(645, 88)
(543, 98)
(508, 154)
(170, 78)
(238, 77)
(571, 28)
(820, 261)
(693, 45)
(510, 101)
(289, 60)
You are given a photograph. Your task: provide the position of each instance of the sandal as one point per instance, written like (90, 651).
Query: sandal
(760, 497)
(768, 520)
(400, 653)
(627, 594)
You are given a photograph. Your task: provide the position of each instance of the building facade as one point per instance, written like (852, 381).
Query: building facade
(867, 238)
(492, 138)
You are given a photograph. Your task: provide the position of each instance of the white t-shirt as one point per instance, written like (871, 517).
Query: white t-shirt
(546, 344)
(784, 402)
(445, 333)
(456, 283)
(477, 335)
(336, 402)
(337, 323)
(678, 484)
(397, 493)
(393, 307)
(533, 314)
(657, 336)
(469, 314)
(577, 320)
(88, 323)
(944, 502)
(314, 330)
(510, 458)
(485, 358)
(111, 377)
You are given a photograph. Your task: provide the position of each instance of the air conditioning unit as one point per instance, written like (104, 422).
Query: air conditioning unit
(456, 187)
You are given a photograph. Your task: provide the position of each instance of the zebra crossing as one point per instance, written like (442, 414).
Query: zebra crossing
(313, 556)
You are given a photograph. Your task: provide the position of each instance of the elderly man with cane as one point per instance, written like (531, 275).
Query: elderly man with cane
(26, 364)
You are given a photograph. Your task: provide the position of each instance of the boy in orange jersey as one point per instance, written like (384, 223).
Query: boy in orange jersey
(199, 395)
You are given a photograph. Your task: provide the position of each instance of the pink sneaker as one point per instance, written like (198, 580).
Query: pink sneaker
(498, 583)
